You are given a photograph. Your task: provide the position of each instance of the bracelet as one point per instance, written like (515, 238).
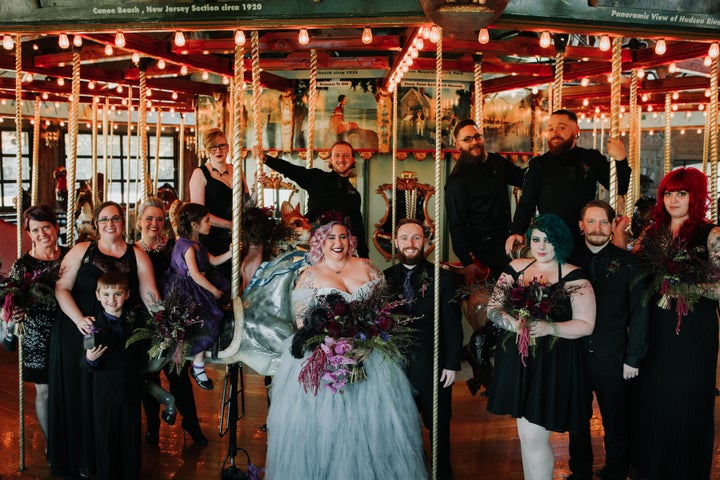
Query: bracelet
(554, 329)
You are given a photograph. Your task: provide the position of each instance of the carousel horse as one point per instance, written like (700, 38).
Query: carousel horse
(61, 191)
(298, 223)
(84, 213)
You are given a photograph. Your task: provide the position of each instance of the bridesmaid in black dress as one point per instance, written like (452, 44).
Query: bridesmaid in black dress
(70, 444)
(674, 395)
(547, 392)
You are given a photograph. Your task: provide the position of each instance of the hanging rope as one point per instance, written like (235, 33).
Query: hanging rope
(107, 138)
(128, 158)
(237, 190)
(615, 91)
(18, 211)
(393, 212)
(257, 113)
(158, 129)
(706, 145)
(438, 250)
(143, 175)
(93, 148)
(635, 175)
(668, 134)
(559, 73)
(479, 98)
(34, 184)
(713, 114)
(312, 100)
(633, 140)
(72, 138)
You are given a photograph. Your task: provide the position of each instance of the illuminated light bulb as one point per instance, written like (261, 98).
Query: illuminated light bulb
(45, 96)
(29, 77)
(405, 68)
(483, 36)
(660, 47)
(34, 46)
(87, 124)
(707, 92)
(303, 37)
(687, 114)
(123, 101)
(205, 75)
(414, 53)
(179, 39)
(545, 39)
(172, 110)
(148, 92)
(644, 97)
(419, 43)
(641, 73)
(108, 49)
(136, 57)
(239, 38)
(672, 68)
(161, 64)
(225, 80)
(96, 100)
(63, 41)
(174, 95)
(604, 43)
(655, 115)
(651, 132)
(48, 123)
(621, 115)
(77, 40)
(701, 107)
(32, 121)
(367, 37)
(91, 85)
(425, 32)
(62, 123)
(714, 51)
(597, 110)
(622, 134)
(586, 102)
(682, 131)
(119, 39)
(675, 107)
(622, 108)
(707, 61)
(409, 61)
(119, 89)
(675, 95)
(609, 78)
(8, 43)
(650, 108)
(57, 104)
(699, 131)
(60, 81)
(183, 70)
(535, 90)
(434, 34)
(584, 82)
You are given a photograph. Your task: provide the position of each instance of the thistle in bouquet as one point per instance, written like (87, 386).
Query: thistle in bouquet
(20, 290)
(528, 303)
(174, 324)
(675, 271)
(341, 334)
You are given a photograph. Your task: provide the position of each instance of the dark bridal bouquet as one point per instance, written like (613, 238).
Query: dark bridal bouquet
(530, 302)
(341, 334)
(19, 292)
(173, 325)
(674, 271)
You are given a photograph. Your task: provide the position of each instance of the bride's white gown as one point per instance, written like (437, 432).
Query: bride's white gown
(371, 431)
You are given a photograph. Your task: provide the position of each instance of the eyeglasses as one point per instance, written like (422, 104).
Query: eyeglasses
(477, 137)
(222, 146)
(114, 219)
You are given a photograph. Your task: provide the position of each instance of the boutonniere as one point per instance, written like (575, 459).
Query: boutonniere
(613, 267)
(426, 281)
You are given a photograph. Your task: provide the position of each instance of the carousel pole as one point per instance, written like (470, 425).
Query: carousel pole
(72, 137)
(181, 158)
(615, 91)
(128, 158)
(312, 100)
(107, 136)
(158, 128)
(713, 123)
(668, 134)
(143, 175)
(438, 246)
(479, 100)
(633, 140)
(18, 212)
(93, 148)
(559, 73)
(237, 100)
(393, 213)
(706, 144)
(35, 178)
(257, 114)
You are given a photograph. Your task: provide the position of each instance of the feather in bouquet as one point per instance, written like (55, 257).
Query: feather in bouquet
(341, 334)
(675, 271)
(529, 302)
(19, 292)
(173, 326)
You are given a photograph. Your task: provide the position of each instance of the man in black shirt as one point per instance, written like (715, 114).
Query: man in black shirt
(328, 190)
(477, 202)
(613, 352)
(564, 179)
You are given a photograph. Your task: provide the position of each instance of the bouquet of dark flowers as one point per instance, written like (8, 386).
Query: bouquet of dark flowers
(529, 302)
(341, 334)
(173, 325)
(675, 271)
(18, 292)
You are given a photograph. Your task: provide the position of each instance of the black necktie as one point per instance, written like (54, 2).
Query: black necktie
(593, 268)
(408, 293)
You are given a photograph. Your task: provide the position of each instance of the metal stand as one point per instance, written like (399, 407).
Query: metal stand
(234, 373)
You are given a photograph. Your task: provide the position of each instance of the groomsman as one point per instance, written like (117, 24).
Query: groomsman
(413, 280)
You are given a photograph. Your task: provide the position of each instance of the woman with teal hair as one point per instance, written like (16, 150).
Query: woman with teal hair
(545, 305)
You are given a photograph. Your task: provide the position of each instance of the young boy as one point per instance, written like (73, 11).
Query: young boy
(117, 384)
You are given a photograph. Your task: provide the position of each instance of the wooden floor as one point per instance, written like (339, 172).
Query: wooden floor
(485, 446)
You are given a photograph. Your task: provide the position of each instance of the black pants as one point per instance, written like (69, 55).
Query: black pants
(490, 251)
(424, 402)
(612, 391)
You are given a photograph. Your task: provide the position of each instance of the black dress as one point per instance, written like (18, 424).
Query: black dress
(549, 391)
(39, 319)
(674, 395)
(218, 199)
(71, 448)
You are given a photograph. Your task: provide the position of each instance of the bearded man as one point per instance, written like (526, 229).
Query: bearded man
(477, 203)
(564, 179)
(412, 279)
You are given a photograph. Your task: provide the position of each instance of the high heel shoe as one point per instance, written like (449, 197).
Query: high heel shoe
(193, 429)
(204, 384)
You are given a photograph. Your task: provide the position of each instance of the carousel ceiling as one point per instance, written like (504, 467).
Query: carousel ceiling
(181, 65)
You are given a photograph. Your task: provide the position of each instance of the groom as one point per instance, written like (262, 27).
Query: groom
(412, 279)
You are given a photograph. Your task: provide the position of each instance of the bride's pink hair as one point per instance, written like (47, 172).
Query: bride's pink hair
(320, 234)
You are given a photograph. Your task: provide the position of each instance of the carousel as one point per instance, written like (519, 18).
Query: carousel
(95, 108)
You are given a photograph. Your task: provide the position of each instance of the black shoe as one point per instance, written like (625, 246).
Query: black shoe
(152, 438)
(195, 433)
(168, 416)
(204, 384)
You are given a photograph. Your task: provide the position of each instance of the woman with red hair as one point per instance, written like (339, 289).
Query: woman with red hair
(673, 424)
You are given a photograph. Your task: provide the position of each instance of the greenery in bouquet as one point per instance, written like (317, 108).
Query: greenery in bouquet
(173, 326)
(674, 271)
(20, 290)
(530, 302)
(341, 334)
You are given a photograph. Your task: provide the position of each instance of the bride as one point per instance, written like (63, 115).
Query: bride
(365, 430)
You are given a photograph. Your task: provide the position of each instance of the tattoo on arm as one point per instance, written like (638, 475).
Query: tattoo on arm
(714, 247)
(499, 320)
